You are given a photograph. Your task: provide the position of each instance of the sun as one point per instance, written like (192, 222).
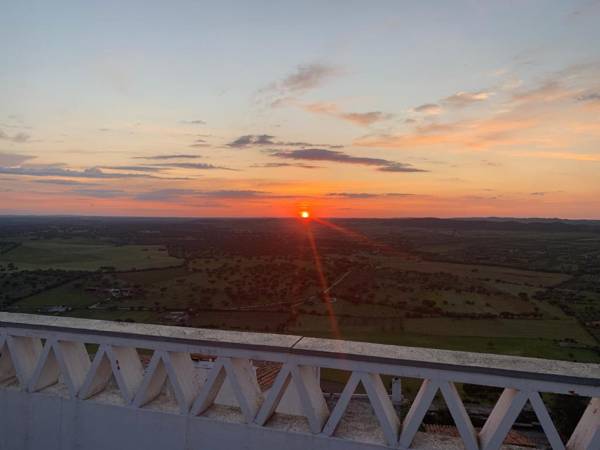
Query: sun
(304, 214)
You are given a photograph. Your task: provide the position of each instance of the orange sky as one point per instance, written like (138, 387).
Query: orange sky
(399, 110)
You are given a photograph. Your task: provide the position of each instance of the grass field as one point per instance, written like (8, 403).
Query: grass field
(66, 295)
(481, 272)
(534, 338)
(85, 255)
(513, 328)
(384, 299)
(530, 347)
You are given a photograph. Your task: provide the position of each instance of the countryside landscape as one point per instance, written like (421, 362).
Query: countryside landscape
(516, 287)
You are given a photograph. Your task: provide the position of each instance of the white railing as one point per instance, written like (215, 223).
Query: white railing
(38, 352)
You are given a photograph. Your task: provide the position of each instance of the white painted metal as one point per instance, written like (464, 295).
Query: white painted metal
(42, 351)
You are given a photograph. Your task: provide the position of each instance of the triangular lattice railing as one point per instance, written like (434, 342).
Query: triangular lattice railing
(38, 361)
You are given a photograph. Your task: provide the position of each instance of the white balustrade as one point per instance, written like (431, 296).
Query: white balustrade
(92, 357)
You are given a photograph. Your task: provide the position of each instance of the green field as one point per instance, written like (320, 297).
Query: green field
(85, 255)
(65, 295)
(510, 293)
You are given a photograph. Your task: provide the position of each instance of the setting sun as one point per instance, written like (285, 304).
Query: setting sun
(304, 214)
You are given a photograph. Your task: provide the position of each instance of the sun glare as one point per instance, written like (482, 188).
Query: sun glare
(304, 214)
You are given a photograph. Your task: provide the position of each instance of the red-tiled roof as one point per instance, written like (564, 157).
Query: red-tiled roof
(266, 372)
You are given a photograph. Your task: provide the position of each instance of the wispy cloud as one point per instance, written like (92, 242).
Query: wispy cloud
(359, 195)
(468, 133)
(63, 182)
(429, 109)
(319, 154)
(358, 118)
(199, 143)
(304, 78)
(57, 171)
(19, 138)
(263, 140)
(589, 97)
(550, 90)
(13, 159)
(193, 122)
(98, 193)
(169, 156)
(199, 166)
(276, 165)
(307, 76)
(252, 140)
(366, 118)
(175, 194)
(134, 168)
(463, 99)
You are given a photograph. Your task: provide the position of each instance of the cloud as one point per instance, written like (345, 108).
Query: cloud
(57, 171)
(591, 97)
(429, 109)
(98, 193)
(304, 78)
(135, 168)
(364, 119)
(165, 194)
(193, 122)
(13, 159)
(173, 156)
(351, 195)
(262, 140)
(252, 140)
(463, 99)
(470, 133)
(275, 165)
(307, 76)
(199, 166)
(319, 154)
(63, 182)
(174, 194)
(550, 90)
(17, 138)
(358, 195)
(198, 143)
(399, 167)
(559, 155)
(235, 194)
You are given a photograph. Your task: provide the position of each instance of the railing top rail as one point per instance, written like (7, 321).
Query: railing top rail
(491, 364)
(150, 332)
(488, 363)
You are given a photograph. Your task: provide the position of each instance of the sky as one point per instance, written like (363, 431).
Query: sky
(266, 108)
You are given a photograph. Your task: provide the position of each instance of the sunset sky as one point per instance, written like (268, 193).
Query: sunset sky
(263, 108)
